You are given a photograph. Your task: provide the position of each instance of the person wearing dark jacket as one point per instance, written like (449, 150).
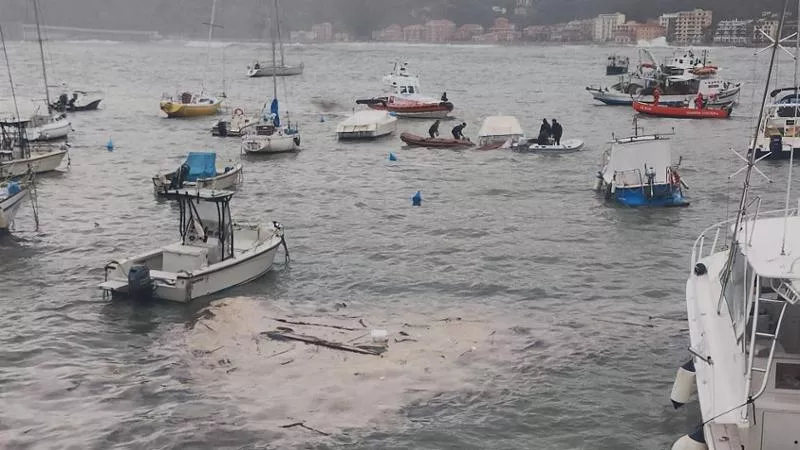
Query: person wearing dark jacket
(434, 130)
(458, 131)
(557, 132)
(544, 133)
(444, 97)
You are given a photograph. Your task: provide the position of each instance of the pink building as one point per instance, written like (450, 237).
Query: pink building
(440, 30)
(323, 31)
(504, 31)
(393, 33)
(414, 33)
(537, 32)
(467, 32)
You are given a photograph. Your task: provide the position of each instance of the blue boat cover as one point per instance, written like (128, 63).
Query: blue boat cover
(201, 165)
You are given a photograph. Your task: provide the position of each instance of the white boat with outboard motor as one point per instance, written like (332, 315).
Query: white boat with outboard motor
(261, 69)
(19, 156)
(743, 312)
(214, 253)
(199, 171)
(235, 126)
(367, 124)
(566, 146)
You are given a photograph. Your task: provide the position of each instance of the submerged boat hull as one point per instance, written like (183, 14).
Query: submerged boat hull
(414, 140)
(280, 71)
(410, 109)
(271, 144)
(661, 195)
(682, 112)
(177, 109)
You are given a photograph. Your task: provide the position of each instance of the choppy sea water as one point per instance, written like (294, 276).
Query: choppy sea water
(540, 316)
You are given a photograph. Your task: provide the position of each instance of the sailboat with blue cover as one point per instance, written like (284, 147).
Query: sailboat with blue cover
(271, 135)
(199, 171)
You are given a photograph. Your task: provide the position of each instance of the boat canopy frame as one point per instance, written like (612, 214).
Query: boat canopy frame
(190, 218)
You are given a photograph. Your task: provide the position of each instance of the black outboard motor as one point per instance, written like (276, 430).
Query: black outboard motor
(222, 128)
(776, 144)
(140, 285)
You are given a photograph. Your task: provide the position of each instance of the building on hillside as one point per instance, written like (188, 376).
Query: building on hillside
(537, 33)
(439, 30)
(504, 31)
(734, 32)
(392, 33)
(324, 31)
(625, 34)
(604, 26)
(669, 22)
(467, 32)
(648, 31)
(768, 24)
(414, 33)
(692, 27)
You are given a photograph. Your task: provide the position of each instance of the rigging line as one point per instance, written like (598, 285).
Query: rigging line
(791, 150)
(10, 77)
(41, 52)
(208, 45)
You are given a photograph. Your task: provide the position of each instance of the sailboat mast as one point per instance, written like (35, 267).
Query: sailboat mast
(751, 159)
(41, 52)
(208, 46)
(278, 30)
(274, 57)
(10, 78)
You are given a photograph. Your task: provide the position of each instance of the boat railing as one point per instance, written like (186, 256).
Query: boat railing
(718, 233)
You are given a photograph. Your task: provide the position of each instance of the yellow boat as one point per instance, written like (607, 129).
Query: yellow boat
(190, 106)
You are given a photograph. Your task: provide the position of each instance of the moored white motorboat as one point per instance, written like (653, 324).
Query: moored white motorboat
(48, 127)
(779, 131)
(367, 124)
(19, 157)
(743, 312)
(12, 197)
(199, 171)
(500, 132)
(235, 127)
(214, 253)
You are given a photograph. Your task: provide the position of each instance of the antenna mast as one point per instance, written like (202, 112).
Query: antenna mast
(41, 52)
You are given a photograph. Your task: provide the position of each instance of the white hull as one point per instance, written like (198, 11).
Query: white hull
(39, 162)
(57, 128)
(283, 71)
(615, 97)
(423, 115)
(9, 208)
(223, 181)
(367, 124)
(271, 144)
(184, 286)
(567, 145)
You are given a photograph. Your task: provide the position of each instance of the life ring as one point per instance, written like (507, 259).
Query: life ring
(238, 112)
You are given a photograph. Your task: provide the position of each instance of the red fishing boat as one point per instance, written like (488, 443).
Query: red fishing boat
(414, 140)
(683, 112)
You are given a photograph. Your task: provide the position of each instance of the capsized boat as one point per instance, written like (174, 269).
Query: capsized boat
(500, 132)
(199, 171)
(566, 146)
(413, 140)
(638, 171)
(214, 253)
(12, 196)
(367, 124)
(683, 112)
(261, 69)
(405, 98)
(743, 314)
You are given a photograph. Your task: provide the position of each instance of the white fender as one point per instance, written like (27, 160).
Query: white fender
(613, 188)
(684, 386)
(3, 222)
(598, 183)
(691, 442)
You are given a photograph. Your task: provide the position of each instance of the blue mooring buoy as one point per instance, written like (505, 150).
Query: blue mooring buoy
(416, 200)
(110, 145)
(392, 156)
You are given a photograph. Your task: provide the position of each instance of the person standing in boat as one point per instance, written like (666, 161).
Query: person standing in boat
(545, 131)
(558, 131)
(433, 131)
(458, 131)
(656, 95)
(698, 101)
(444, 96)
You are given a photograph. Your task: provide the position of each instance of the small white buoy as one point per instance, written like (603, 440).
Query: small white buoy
(379, 336)
(692, 441)
(684, 386)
